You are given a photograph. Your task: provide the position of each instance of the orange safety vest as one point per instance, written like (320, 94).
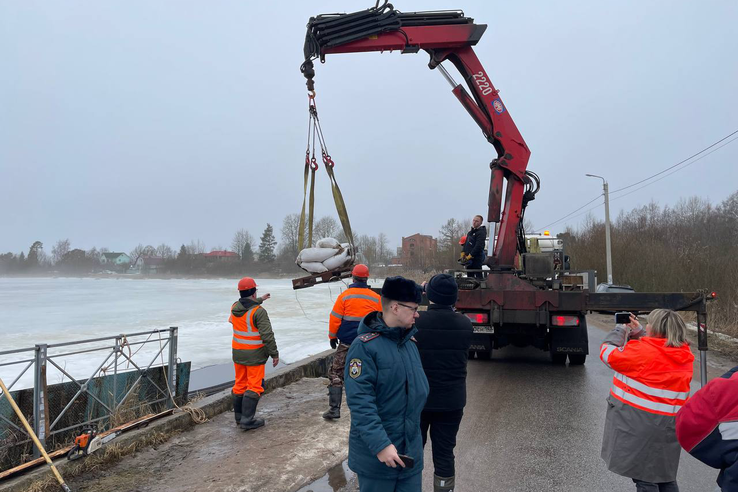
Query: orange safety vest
(245, 333)
(648, 375)
(349, 309)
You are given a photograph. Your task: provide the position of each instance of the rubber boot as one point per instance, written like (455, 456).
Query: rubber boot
(248, 409)
(237, 406)
(443, 484)
(335, 394)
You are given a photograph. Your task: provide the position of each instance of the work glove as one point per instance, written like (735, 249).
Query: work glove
(334, 343)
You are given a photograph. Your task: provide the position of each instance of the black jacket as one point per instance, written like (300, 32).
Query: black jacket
(444, 337)
(475, 239)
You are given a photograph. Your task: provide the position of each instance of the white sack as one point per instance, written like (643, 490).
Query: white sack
(313, 267)
(328, 242)
(338, 261)
(309, 255)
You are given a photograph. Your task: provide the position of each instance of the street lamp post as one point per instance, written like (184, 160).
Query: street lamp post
(607, 227)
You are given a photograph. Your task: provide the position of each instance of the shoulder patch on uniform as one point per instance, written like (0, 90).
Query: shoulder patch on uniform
(355, 368)
(368, 336)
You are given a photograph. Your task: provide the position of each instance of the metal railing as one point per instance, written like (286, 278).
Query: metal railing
(117, 354)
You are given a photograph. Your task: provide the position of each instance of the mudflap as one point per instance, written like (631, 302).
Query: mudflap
(570, 341)
(481, 343)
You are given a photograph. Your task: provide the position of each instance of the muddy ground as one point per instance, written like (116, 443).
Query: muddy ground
(286, 454)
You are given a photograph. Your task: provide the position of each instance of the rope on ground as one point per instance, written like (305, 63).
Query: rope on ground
(196, 414)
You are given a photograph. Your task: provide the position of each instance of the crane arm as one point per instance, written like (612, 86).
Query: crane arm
(444, 35)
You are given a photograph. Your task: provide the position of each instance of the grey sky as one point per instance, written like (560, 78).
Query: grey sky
(127, 122)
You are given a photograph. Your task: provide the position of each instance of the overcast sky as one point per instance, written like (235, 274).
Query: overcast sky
(126, 122)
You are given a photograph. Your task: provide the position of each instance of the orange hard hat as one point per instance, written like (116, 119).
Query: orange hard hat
(246, 283)
(361, 271)
(462, 241)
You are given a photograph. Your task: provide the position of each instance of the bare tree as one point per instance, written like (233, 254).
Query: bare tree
(325, 227)
(60, 249)
(383, 252)
(141, 251)
(164, 251)
(241, 238)
(290, 235)
(196, 247)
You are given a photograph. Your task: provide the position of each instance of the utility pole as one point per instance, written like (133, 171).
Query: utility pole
(608, 250)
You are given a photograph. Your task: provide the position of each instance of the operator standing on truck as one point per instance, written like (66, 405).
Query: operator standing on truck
(474, 246)
(386, 390)
(349, 309)
(444, 338)
(253, 343)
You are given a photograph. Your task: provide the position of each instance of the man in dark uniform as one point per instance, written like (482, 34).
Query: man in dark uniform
(386, 390)
(444, 338)
(475, 245)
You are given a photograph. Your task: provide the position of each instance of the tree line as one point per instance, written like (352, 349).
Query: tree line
(692, 245)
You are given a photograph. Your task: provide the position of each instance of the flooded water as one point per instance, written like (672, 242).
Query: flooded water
(56, 310)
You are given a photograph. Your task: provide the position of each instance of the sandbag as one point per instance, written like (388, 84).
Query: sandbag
(309, 255)
(313, 267)
(338, 260)
(328, 242)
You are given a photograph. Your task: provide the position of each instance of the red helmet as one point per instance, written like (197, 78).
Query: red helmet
(462, 241)
(246, 283)
(361, 271)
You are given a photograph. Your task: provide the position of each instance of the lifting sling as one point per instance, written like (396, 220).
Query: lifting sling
(311, 165)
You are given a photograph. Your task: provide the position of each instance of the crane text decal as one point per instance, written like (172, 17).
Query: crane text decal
(482, 83)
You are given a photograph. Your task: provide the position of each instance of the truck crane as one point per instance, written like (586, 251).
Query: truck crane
(518, 300)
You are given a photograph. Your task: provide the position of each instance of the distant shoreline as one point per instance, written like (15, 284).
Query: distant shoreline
(162, 276)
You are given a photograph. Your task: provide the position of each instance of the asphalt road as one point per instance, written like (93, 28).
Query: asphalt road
(532, 426)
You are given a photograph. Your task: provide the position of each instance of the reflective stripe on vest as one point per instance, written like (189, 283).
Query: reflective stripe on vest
(245, 333)
(647, 398)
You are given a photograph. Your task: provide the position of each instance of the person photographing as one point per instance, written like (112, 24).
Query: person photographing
(653, 370)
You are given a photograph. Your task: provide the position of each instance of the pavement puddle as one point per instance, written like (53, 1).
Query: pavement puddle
(338, 479)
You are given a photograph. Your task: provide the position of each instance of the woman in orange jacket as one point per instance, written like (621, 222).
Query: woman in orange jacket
(653, 370)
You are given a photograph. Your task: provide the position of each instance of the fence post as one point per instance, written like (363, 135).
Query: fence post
(39, 404)
(116, 350)
(172, 369)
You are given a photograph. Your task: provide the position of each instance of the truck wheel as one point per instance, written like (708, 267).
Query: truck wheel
(484, 355)
(577, 359)
(558, 359)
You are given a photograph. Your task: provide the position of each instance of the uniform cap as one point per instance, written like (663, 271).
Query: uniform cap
(402, 290)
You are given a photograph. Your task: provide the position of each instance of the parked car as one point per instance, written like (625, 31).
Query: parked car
(605, 288)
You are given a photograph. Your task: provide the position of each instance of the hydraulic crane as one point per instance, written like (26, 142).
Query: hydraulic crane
(519, 303)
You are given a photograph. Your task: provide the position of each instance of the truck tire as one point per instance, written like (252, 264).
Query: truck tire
(558, 359)
(484, 355)
(577, 359)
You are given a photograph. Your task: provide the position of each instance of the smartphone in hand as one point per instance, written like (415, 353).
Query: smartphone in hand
(409, 462)
(622, 318)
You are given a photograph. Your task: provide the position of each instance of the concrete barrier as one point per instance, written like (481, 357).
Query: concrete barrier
(313, 367)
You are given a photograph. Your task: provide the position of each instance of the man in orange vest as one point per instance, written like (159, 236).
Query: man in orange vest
(350, 308)
(253, 343)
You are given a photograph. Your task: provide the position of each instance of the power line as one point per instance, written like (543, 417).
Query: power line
(572, 212)
(674, 171)
(677, 164)
(649, 178)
